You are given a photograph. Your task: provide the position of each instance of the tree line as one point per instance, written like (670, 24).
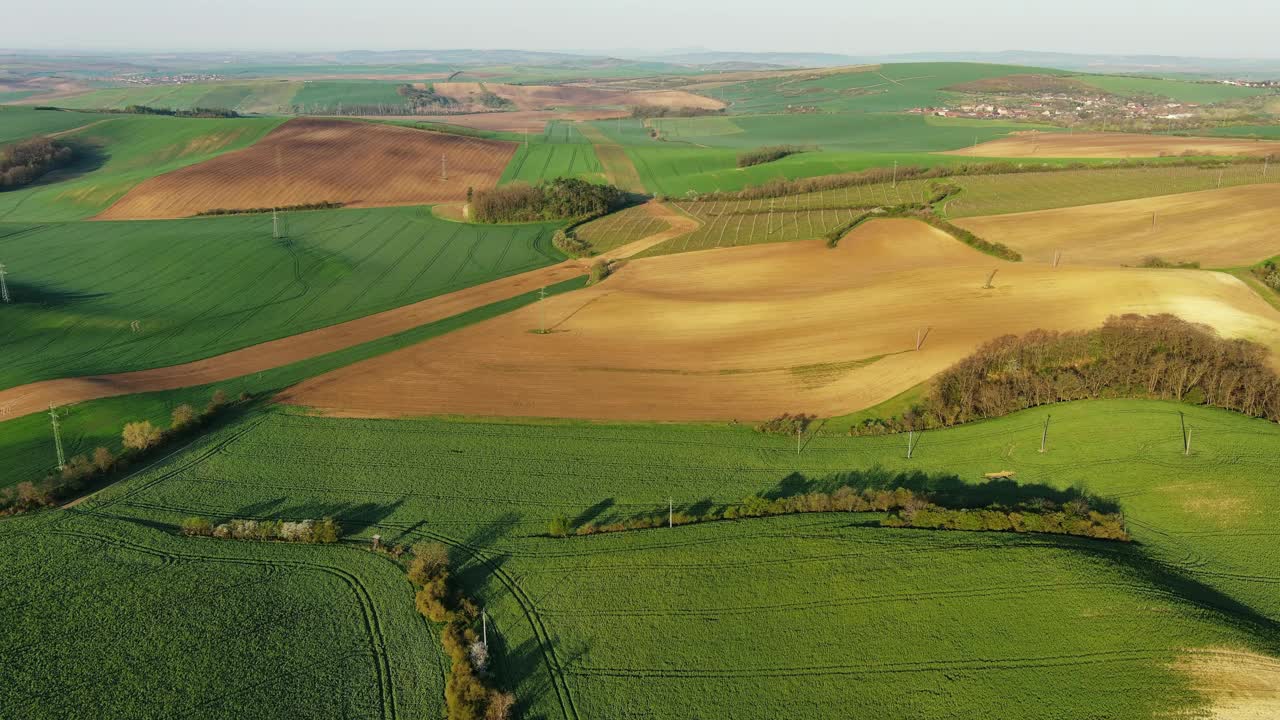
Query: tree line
(195, 112)
(650, 112)
(25, 162)
(1131, 356)
(323, 531)
(469, 691)
(558, 199)
(905, 508)
(138, 439)
(768, 154)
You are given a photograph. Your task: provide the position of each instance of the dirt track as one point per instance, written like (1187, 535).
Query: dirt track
(750, 332)
(318, 160)
(31, 398)
(1218, 228)
(1113, 145)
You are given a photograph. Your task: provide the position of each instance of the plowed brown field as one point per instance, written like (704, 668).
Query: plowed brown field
(753, 331)
(318, 160)
(1113, 145)
(1218, 228)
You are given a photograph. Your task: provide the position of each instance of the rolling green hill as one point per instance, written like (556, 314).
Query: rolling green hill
(791, 616)
(205, 286)
(120, 152)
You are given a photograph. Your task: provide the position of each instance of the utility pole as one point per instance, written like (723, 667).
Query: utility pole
(542, 296)
(275, 225)
(1187, 449)
(4, 287)
(911, 443)
(1044, 434)
(444, 169)
(484, 628)
(1183, 419)
(895, 173)
(57, 437)
(671, 513)
(990, 277)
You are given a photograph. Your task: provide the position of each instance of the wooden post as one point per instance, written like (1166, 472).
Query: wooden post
(991, 277)
(1057, 257)
(1187, 448)
(1183, 419)
(1044, 434)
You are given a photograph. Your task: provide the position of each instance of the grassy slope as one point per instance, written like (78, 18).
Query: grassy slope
(789, 616)
(560, 151)
(243, 96)
(129, 149)
(1179, 90)
(20, 123)
(26, 446)
(888, 88)
(204, 286)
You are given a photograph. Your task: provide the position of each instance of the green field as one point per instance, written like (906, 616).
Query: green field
(780, 617)
(329, 96)
(201, 287)
(122, 151)
(560, 151)
(20, 123)
(886, 88)
(1204, 93)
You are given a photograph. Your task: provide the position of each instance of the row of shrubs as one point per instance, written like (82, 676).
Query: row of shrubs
(82, 471)
(556, 199)
(779, 187)
(323, 531)
(910, 509)
(23, 163)
(1269, 274)
(645, 112)
(197, 112)
(468, 691)
(325, 205)
(767, 154)
(1131, 356)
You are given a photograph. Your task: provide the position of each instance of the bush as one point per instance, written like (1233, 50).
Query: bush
(599, 271)
(197, 526)
(103, 460)
(500, 706)
(430, 561)
(430, 600)
(568, 242)
(763, 155)
(140, 435)
(786, 424)
(183, 416)
(558, 527)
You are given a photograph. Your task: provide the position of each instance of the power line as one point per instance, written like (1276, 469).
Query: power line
(57, 437)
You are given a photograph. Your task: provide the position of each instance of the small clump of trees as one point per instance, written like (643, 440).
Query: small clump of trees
(323, 531)
(558, 199)
(1269, 274)
(422, 98)
(23, 163)
(1160, 357)
(138, 438)
(468, 692)
(786, 424)
(768, 154)
(197, 112)
(1155, 261)
(905, 508)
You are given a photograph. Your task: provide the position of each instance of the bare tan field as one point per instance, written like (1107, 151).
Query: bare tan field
(754, 331)
(1240, 685)
(510, 121)
(543, 97)
(320, 160)
(1113, 145)
(1218, 228)
(26, 399)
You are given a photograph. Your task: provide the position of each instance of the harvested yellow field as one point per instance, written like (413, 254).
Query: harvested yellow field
(1113, 145)
(1240, 685)
(315, 160)
(1218, 228)
(747, 333)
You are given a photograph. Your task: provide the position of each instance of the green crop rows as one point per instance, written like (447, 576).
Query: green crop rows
(620, 228)
(560, 151)
(20, 123)
(780, 617)
(204, 286)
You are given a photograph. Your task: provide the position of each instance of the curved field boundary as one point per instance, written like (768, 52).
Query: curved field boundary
(26, 399)
(677, 224)
(614, 158)
(1113, 145)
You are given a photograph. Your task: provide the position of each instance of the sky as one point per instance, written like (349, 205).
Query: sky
(1225, 28)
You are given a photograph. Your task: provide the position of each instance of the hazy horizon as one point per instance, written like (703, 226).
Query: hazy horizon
(1232, 29)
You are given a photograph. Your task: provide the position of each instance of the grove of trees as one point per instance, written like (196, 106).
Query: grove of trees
(23, 163)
